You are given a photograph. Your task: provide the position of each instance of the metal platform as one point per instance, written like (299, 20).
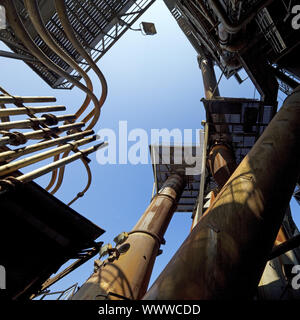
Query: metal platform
(99, 25)
(38, 235)
(241, 120)
(179, 163)
(249, 34)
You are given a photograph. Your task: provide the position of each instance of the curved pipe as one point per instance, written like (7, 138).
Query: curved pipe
(225, 42)
(69, 31)
(236, 27)
(60, 175)
(18, 27)
(35, 16)
(53, 175)
(36, 19)
(81, 194)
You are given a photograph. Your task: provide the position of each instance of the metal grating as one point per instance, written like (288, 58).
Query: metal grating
(163, 168)
(241, 120)
(97, 24)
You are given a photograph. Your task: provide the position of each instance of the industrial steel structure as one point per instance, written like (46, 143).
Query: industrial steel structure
(243, 240)
(104, 23)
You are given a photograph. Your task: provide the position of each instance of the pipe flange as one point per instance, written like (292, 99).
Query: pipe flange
(51, 119)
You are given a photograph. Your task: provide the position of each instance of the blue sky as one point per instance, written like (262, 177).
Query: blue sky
(153, 82)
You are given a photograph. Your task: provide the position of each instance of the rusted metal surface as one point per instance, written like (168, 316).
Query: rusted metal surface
(14, 154)
(32, 122)
(17, 111)
(222, 163)
(17, 99)
(225, 254)
(62, 162)
(209, 78)
(126, 273)
(43, 133)
(281, 237)
(16, 165)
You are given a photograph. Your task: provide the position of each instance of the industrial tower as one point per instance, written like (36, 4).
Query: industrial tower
(243, 241)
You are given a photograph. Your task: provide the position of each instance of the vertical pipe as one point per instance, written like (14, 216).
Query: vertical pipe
(222, 163)
(127, 274)
(225, 254)
(209, 77)
(199, 208)
(221, 158)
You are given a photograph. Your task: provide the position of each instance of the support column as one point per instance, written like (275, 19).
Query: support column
(126, 273)
(222, 163)
(225, 254)
(209, 77)
(221, 159)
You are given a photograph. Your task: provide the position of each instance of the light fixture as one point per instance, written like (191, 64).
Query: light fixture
(147, 28)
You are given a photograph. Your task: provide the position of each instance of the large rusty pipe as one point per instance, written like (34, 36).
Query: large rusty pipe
(225, 254)
(222, 163)
(129, 274)
(221, 158)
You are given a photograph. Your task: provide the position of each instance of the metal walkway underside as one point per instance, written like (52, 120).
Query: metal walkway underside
(99, 25)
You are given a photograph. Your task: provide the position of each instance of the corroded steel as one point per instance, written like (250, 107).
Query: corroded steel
(59, 163)
(225, 254)
(16, 165)
(127, 271)
(222, 163)
(209, 78)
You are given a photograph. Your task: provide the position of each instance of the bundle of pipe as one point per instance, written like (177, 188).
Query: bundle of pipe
(22, 34)
(44, 128)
